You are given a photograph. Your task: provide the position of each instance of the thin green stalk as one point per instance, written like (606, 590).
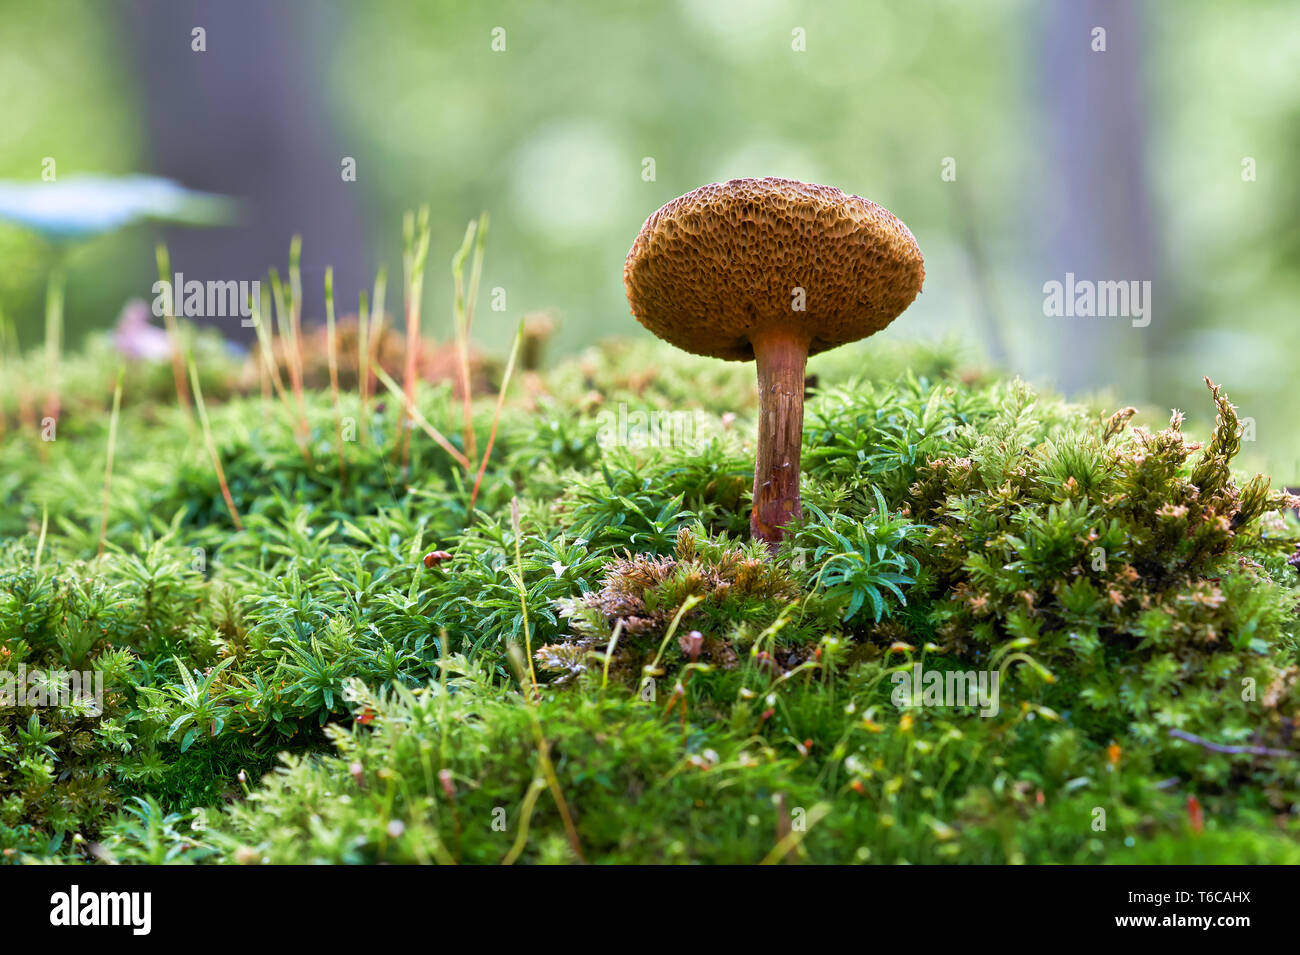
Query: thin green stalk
(544, 755)
(609, 653)
(416, 250)
(795, 836)
(284, 319)
(496, 416)
(266, 339)
(417, 543)
(295, 301)
(523, 603)
(476, 271)
(535, 789)
(377, 306)
(370, 332)
(271, 369)
(8, 347)
(40, 541)
(163, 258)
(363, 366)
(331, 346)
(685, 608)
(463, 313)
(108, 466)
(53, 342)
(212, 447)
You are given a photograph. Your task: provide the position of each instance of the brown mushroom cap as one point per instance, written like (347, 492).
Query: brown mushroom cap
(721, 262)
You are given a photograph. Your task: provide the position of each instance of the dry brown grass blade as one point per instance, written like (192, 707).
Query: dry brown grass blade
(414, 413)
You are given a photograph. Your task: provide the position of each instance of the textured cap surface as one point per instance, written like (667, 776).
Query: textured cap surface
(725, 260)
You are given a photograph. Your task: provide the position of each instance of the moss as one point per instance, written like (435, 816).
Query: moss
(714, 597)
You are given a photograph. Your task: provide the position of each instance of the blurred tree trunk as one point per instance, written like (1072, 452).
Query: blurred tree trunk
(250, 118)
(1099, 205)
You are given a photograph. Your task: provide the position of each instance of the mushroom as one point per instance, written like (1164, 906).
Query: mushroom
(771, 270)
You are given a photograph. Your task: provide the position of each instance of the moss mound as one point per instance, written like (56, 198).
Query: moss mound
(304, 688)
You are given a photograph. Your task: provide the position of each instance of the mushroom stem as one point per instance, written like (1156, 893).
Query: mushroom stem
(781, 354)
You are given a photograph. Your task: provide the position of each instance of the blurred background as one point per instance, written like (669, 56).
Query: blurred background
(1151, 140)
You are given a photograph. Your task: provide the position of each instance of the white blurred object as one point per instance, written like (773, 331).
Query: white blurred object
(80, 207)
(134, 337)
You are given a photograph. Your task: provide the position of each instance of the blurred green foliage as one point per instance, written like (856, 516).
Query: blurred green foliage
(551, 136)
(67, 95)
